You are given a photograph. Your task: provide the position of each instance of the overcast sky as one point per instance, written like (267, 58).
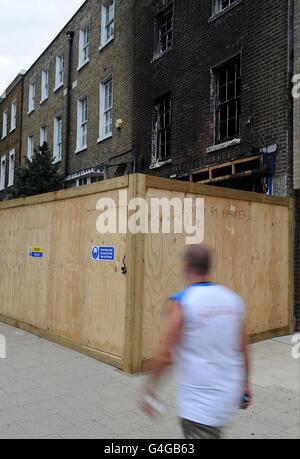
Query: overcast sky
(26, 28)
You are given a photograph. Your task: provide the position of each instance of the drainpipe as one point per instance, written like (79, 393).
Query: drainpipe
(70, 36)
(21, 124)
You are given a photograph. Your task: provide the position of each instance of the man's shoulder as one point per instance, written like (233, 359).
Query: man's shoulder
(178, 297)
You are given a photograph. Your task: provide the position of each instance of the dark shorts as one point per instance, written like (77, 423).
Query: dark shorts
(194, 431)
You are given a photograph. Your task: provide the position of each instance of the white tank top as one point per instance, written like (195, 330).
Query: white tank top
(209, 362)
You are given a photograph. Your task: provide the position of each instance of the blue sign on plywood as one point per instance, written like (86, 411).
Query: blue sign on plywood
(103, 254)
(36, 252)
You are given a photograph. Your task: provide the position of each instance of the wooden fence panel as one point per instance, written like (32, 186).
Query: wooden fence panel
(251, 248)
(65, 274)
(117, 317)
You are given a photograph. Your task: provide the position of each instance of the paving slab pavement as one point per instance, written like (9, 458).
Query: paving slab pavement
(49, 392)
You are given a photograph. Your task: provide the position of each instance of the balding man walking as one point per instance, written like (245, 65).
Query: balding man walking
(206, 337)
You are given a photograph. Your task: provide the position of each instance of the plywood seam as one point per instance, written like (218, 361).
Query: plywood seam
(134, 296)
(292, 315)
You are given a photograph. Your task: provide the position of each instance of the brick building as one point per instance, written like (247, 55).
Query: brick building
(212, 99)
(197, 90)
(78, 94)
(11, 103)
(296, 126)
(169, 88)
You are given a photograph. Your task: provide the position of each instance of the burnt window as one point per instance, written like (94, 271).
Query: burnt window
(221, 5)
(228, 104)
(164, 30)
(161, 145)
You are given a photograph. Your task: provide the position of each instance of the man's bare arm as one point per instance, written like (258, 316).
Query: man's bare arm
(163, 358)
(171, 337)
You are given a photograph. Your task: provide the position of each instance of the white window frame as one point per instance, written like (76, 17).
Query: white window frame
(107, 22)
(30, 147)
(4, 124)
(31, 97)
(84, 45)
(2, 172)
(59, 71)
(57, 139)
(104, 110)
(45, 86)
(88, 181)
(11, 167)
(13, 116)
(82, 124)
(43, 135)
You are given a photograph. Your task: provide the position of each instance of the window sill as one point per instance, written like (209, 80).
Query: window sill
(222, 146)
(102, 139)
(56, 160)
(30, 111)
(2, 189)
(160, 164)
(81, 66)
(43, 101)
(159, 56)
(103, 45)
(216, 16)
(57, 88)
(12, 130)
(81, 149)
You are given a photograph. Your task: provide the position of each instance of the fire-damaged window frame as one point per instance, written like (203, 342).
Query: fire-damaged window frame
(159, 111)
(222, 5)
(163, 9)
(236, 99)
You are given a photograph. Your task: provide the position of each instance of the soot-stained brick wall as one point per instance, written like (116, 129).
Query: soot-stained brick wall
(255, 29)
